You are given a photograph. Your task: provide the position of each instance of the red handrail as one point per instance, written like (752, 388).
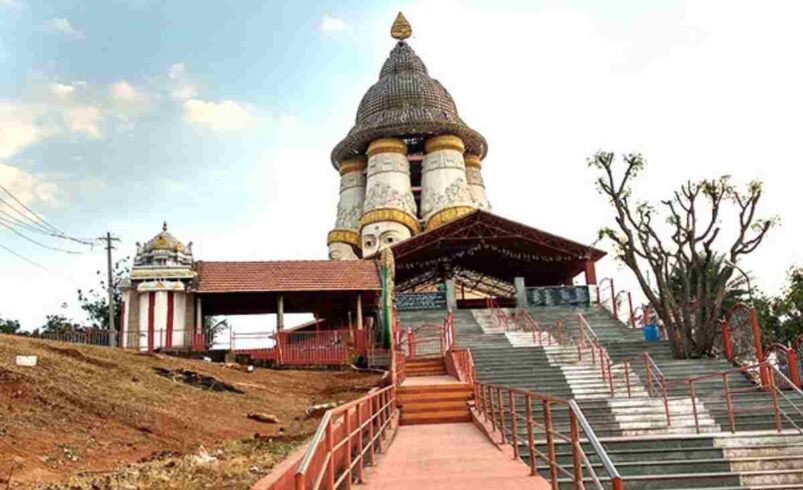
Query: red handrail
(346, 437)
(491, 405)
(614, 307)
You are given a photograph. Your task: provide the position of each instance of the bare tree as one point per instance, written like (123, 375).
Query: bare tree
(687, 296)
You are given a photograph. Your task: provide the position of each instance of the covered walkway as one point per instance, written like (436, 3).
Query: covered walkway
(441, 456)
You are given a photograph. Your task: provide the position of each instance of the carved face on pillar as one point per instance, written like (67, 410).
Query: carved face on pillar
(377, 236)
(341, 251)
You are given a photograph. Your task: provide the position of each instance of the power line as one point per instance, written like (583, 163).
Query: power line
(55, 229)
(26, 259)
(26, 237)
(27, 219)
(37, 226)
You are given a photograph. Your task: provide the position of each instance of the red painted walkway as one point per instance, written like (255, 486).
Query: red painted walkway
(441, 456)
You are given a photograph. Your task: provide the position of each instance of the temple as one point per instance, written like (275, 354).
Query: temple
(410, 181)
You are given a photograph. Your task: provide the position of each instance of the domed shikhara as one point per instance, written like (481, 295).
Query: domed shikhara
(163, 250)
(406, 103)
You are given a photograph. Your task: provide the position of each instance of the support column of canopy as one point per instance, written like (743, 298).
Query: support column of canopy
(280, 313)
(445, 192)
(344, 240)
(476, 185)
(389, 211)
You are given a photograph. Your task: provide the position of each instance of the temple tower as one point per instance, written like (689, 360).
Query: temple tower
(422, 160)
(158, 307)
(344, 241)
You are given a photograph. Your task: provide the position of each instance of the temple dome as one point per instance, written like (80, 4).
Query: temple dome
(163, 241)
(406, 102)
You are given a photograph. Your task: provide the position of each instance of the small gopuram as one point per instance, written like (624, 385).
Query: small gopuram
(158, 309)
(410, 179)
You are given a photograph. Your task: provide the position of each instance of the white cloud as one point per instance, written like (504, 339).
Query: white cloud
(18, 128)
(182, 88)
(83, 119)
(332, 24)
(28, 188)
(123, 91)
(62, 25)
(218, 116)
(61, 90)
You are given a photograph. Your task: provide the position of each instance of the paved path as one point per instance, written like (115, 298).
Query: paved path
(441, 456)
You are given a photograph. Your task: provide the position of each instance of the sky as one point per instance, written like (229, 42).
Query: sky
(219, 117)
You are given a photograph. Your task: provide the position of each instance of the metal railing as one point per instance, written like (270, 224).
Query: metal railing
(427, 339)
(655, 377)
(501, 406)
(346, 441)
(774, 385)
(87, 337)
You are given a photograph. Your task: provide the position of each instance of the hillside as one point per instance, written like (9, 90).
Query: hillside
(88, 410)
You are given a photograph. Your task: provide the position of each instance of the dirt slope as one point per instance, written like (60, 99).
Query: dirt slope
(86, 408)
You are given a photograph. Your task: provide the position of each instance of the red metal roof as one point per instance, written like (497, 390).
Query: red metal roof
(274, 276)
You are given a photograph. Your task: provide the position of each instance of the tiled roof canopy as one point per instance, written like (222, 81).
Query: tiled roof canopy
(275, 276)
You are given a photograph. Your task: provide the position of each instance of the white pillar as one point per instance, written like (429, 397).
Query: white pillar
(475, 183)
(344, 240)
(389, 211)
(280, 313)
(521, 292)
(359, 311)
(444, 189)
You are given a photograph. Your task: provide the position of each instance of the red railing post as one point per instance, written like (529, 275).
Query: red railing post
(613, 300)
(360, 457)
(348, 449)
(493, 408)
(577, 461)
(330, 467)
(727, 345)
(774, 394)
(693, 397)
(794, 367)
(729, 402)
(648, 373)
(632, 315)
(550, 443)
(530, 438)
(511, 398)
(666, 401)
(501, 414)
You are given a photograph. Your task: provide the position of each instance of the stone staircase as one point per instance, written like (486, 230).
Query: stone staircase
(434, 403)
(647, 451)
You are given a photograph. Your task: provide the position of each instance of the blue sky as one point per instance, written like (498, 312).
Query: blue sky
(219, 116)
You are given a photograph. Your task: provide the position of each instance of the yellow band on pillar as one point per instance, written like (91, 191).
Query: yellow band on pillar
(343, 236)
(352, 165)
(445, 215)
(446, 142)
(472, 160)
(385, 214)
(386, 145)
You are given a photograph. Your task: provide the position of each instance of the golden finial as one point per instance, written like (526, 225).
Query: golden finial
(401, 29)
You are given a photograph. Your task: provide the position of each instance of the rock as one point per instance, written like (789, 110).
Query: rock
(320, 409)
(264, 417)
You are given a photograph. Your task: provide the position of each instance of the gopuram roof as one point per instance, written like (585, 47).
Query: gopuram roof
(405, 102)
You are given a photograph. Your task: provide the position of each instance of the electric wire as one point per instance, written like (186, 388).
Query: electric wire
(41, 219)
(22, 257)
(26, 237)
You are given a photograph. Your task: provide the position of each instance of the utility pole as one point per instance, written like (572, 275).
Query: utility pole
(110, 286)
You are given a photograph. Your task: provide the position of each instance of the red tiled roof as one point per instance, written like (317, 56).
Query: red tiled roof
(306, 275)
